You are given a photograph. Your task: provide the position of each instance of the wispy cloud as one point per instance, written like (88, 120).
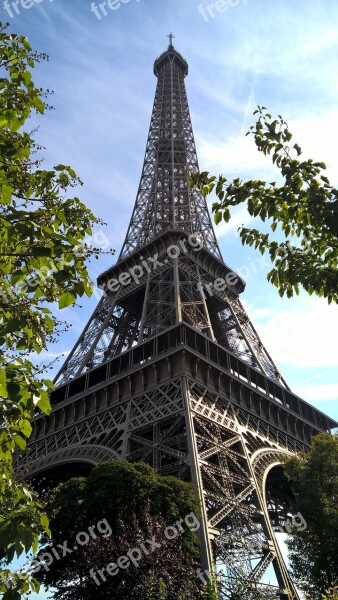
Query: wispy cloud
(318, 393)
(316, 44)
(303, 336)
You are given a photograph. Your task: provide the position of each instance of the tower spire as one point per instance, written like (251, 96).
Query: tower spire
(171, 37)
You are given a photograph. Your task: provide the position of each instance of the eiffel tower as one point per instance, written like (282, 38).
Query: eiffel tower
(171, 371)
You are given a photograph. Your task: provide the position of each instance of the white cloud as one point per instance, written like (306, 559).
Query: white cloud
(315, 43)
(318, 138)
(304, 336)
(317, 393)
(236, 154)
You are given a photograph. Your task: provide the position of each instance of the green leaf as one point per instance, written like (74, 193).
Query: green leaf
(17, 277)
(43, 403)
(12, 325)
(218, 217)
(3, 384)
(66, 299)
(44, 521)
(48, 384)
(25, 427)
(20, 442)
(38, 104)
(72, 173)
(6, 194)
(61, 276)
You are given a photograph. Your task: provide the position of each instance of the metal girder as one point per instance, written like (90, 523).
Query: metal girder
(244, 540)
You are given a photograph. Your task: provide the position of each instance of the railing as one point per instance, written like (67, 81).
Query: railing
(184, 335)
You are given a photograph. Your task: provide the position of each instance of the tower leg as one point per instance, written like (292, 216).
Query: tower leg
(207, 561)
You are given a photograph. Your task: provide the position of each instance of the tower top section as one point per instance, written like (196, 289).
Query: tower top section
(165, 201)
(170, 56)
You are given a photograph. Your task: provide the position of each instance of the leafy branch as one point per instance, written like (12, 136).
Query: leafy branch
(303, 210)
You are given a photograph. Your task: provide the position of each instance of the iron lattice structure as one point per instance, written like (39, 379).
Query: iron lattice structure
(170, 370)
(164, 200)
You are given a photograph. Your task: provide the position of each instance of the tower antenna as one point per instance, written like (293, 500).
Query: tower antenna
(171, 37)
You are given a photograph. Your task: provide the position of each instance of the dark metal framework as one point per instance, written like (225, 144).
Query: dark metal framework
(170, 370)
(164, 199)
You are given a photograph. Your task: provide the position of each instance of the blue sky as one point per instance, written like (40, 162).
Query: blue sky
(277, 53)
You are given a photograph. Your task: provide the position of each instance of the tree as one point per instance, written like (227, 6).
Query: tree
(211, 591)
(331, 593)
(314, 481)
(148, 537)
(42, 260)
(304, 208)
